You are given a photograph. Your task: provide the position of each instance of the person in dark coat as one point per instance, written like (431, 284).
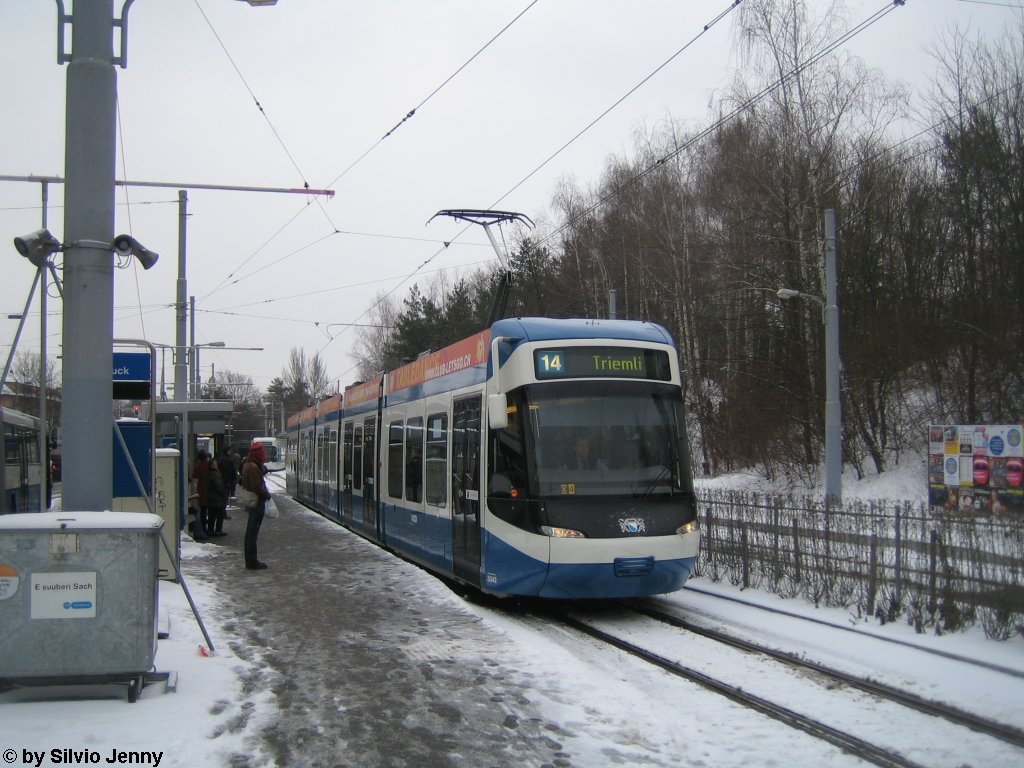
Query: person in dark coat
(229, 471)
(199, 471)
(216, 500)
(253, 478)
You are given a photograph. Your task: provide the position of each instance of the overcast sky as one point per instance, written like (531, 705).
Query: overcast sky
(334, 77)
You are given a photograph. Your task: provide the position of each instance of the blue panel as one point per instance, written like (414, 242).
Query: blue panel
(131, 366)
(139, 441)
(426, 541)
(506, 570)
(599, 580)
(509, 571)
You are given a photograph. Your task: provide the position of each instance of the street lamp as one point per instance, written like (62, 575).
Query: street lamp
(194, 356)
(197, 392)
(830, 319)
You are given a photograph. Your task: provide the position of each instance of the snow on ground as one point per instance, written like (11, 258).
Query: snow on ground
(906, 480)
(212, 720)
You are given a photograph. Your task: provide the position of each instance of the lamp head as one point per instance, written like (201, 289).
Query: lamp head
(126, 245)
(37, 246)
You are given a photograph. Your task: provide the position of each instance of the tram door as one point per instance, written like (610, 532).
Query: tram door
(465, 493)
(319, 462)
(347, 473)
(369, 477)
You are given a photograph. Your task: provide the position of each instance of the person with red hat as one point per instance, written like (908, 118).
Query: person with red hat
(252, 478)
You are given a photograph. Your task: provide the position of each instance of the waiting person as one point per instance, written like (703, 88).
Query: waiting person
(199, 472)
(227, 460)
(228, 470)
(216, 500)
(253, 478)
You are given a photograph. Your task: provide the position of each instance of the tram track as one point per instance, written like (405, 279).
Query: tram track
(981, 663)
(976, 723)
(824, 703)
(845, 741)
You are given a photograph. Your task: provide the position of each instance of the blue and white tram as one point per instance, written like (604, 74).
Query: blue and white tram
(539, 457)
(22, 484)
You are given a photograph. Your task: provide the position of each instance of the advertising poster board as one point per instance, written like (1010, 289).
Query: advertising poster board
(976, 467)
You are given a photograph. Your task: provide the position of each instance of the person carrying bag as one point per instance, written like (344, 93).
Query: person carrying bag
(253, 495)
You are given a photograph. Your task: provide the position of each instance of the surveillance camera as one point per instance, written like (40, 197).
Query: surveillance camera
(37, 246)
(126, 245)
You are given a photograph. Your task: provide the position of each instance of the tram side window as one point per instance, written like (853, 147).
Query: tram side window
(321, 456)
(414, 460)
(437, 460)
(508, 461)
(332, 459)
(396, 436)
(357, 460)
(304, 454)
(346, 458)
(12, 450)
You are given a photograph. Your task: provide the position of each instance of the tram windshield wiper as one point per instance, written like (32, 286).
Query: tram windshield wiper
(656, 481)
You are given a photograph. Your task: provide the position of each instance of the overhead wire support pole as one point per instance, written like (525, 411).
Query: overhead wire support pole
(833, 410)
(90, 160)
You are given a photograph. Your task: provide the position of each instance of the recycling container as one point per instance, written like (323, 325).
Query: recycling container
(78, 597)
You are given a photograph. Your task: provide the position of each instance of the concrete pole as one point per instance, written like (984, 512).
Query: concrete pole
(833, 412)
(181, 383)
(44, 433)
(192, 353)
(181, 306)
(90, 143)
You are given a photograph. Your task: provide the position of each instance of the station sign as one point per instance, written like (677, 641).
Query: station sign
(132, 376)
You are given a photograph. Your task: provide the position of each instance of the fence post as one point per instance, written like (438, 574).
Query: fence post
(707, 540)
(829, 573)
(796, 551)
(872, 574)
(933, 562)
(745, 555)
(894, 609)
(776, 535)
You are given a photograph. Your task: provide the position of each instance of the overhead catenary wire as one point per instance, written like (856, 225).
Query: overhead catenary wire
(621, 99)
(725, 119)
(259, 106)
(335, 230)
(732, 5)
(412, 112)
(128, 210)
(705, 28)
(746, 105)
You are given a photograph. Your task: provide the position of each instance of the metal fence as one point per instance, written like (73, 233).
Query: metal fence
(938, 571)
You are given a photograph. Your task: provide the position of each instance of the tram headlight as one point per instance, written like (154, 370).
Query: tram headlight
(562, 533)
(690, 527)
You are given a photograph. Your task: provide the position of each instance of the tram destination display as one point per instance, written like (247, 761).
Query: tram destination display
(589, 362)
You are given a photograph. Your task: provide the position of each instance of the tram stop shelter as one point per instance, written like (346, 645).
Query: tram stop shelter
(178, 423)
